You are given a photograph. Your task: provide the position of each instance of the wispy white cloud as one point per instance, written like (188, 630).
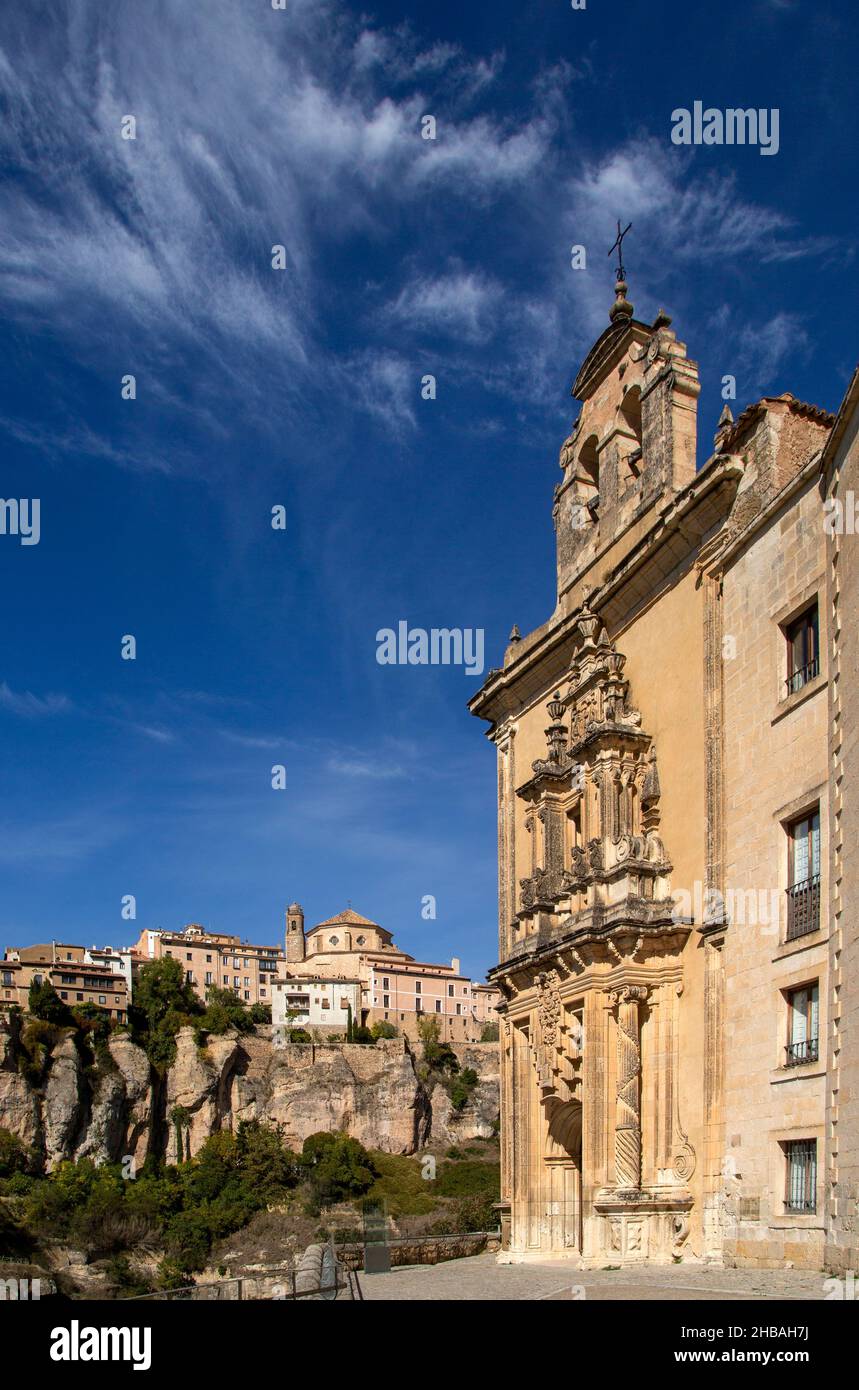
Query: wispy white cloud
(380, 770)
(29, 706)
(251, 740)
(460, 303)
(157, 735)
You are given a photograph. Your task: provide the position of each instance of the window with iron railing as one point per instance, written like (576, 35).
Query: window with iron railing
(801, 1194)
(803, 653)
(803, 891)
(803, 1043)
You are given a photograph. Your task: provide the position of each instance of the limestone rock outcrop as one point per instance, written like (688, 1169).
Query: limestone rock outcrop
(372, 1093)
(19, 1107)
(115, 1106)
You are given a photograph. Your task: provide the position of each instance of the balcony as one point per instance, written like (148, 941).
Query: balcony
(802, 676)
(799, 1052)
(803, 908)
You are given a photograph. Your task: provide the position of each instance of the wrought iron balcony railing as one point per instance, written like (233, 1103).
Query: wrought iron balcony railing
(802, 675)
(803, 907)
(799, 1052)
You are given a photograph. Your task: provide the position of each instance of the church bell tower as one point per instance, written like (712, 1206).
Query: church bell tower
(294, 933)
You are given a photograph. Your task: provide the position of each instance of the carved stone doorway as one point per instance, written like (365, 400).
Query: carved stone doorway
(562, 1162)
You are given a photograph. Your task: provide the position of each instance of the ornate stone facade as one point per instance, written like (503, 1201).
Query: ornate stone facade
(621, 952)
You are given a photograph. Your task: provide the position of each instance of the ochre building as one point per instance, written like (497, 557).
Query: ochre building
(395, 988)
(679, 1061)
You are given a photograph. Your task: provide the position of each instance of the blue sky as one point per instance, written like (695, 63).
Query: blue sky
(301, 387)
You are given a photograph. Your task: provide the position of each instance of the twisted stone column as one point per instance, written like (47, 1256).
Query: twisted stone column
(627, 1133)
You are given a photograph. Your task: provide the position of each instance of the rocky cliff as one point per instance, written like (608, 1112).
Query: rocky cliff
(115, 1106)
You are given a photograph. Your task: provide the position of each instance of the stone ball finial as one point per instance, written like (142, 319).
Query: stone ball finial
(621, 308)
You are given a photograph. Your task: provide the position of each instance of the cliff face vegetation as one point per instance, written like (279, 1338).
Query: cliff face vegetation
(120, 1174)
(65, 1101)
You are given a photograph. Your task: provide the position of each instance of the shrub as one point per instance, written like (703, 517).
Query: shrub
(125, 1280)
(224, 1010)
(43, 1002)
(15, 1156)
(164, 1002)
(469, 1178)
(336, 1167)
(383, 1029)
(468, 1214)
(401, 1187)
(489, 1032)
(92, 1021)
(462, 1087)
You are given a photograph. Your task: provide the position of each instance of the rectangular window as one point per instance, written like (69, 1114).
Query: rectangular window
(386, 1001)
(102, 999)
(189, 976)
(189, 955)
(803, 893)
(208, 977)
(803, 1042)
(438, 1006)
(801, 1192)
(458, 1007)
(803, 655)
(385, 983)
(247, 994)
(450, 991)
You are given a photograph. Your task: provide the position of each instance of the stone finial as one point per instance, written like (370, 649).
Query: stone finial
(662, 320)
(515, 635)
(726, 419)
(621, 308)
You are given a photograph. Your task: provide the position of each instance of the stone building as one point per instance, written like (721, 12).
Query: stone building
(79, 976)
(841, 488)
(216, 958)
(316, 1003)
(663, 742)
(395, 988)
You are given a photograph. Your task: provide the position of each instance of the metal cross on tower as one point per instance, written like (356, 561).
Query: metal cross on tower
(618, 246)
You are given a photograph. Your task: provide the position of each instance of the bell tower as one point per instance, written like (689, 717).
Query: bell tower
(294, 933)
(632, 448)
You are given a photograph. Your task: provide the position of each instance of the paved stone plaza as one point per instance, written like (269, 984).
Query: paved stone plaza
(481, 1278)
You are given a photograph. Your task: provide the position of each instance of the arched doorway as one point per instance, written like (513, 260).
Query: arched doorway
(562, 1164)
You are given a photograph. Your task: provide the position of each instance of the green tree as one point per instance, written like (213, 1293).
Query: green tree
(462, 1087)
(224, 1009)
(383, 1029)
(164, 1002)
(43, 1002)
(489, 1032)
(429, 1029)
(337, 1167)
(15, 1157)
